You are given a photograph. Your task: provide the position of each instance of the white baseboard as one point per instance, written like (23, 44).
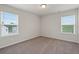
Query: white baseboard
(24, 39)
(61, 39)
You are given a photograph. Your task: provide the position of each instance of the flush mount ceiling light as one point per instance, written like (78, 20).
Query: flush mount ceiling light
(43, 5)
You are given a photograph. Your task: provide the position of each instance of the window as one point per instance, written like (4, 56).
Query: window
(68, 24)
(9, 23)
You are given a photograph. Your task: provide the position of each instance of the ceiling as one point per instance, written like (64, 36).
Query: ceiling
(51, 8)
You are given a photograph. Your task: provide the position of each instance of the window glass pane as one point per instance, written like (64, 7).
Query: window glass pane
(9, 23)
(68, 23)
(9, 18)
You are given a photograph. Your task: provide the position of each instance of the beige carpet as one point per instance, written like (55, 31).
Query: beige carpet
(42, 45)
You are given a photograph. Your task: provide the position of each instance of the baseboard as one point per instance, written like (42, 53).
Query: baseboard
(11, 44)
(60, 39)
(14, 43)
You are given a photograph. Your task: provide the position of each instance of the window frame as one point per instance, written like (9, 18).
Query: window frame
(74, 32)
(1, 24)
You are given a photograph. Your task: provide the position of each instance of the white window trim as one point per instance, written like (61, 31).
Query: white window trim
(10, 34)
(74, 25)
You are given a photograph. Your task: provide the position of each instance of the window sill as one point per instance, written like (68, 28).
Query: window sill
(10, 34)
(68, 33)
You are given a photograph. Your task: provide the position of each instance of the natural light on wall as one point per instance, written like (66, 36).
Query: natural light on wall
(9, 23)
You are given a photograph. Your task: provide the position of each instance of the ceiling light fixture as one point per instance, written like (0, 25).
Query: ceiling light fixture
(43, 5)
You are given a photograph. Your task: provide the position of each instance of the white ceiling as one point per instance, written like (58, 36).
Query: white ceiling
(51, 8)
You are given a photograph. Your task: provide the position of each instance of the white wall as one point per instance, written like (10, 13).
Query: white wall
(51, 26)
(29, 26)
